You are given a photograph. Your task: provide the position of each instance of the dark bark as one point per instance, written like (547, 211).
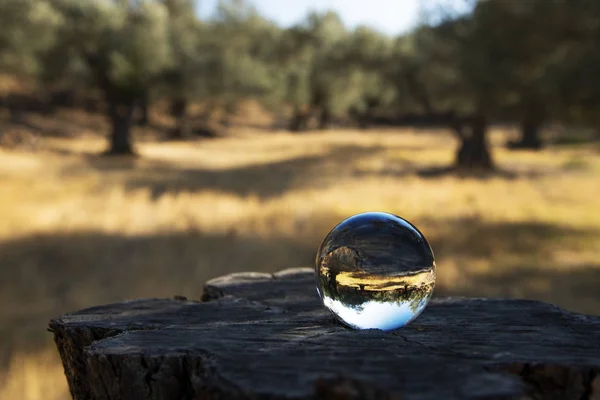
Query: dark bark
(121, 105)
(267, 336)
(121, 115)
(179, 110)
(530, 138)
(473, 152)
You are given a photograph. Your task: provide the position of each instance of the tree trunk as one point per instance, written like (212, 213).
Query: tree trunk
(143, 105)
(16, 114)
(530, 138)
(325, 118)
(299, 120)
(363, 122)
(268, 336)
(15, 108)
(368, 116)
(473, 152)
(179, 108)
(121, 117)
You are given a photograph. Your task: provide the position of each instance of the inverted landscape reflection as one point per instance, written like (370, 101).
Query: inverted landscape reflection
(375, 271)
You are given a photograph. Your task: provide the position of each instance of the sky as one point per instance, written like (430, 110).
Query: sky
(389, 16)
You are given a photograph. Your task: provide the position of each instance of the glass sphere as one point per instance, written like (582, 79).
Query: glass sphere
(375, 271)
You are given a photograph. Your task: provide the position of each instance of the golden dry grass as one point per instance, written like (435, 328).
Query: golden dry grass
(384, 284)
(78, 230)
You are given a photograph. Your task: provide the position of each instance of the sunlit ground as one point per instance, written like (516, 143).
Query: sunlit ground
(78, 230)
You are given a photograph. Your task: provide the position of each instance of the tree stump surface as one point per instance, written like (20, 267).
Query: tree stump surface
(267, 336)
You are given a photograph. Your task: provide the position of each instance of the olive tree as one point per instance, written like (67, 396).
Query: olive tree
(219, 61)
(313, 56)
(27, 30)
(125, 47)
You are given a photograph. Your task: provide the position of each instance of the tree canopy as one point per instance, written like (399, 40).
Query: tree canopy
(528, 62)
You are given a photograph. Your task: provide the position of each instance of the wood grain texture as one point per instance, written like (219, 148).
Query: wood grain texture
(263, 336)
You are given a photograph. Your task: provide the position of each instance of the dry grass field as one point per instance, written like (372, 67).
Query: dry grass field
(78, 229)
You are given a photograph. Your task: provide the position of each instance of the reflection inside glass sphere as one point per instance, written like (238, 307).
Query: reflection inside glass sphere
(375, 271)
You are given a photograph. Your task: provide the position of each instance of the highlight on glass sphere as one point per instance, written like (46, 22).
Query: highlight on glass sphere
(375, 271)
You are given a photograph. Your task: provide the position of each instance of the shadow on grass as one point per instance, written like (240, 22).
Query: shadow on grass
(435, 172)
(472, 237)
(575, 288)
(265, 180)
(516, 260)
(274, 179)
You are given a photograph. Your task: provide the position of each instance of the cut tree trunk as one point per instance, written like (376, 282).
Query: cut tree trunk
(264, 336)
(474, 152)
(120, 138)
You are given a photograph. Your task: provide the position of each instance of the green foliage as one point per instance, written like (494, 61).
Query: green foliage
(27, 29)
(310, 57)
(222, 60)
(367, 55)
(125, 45)
(328, 69)
(184, 74)
(575, 61)
(531, 60)
(328, 74)
(522, 60)
(243, 42)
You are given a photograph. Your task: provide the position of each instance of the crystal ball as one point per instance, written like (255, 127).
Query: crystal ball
(375, 271)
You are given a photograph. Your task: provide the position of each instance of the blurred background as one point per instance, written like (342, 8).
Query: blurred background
(149, 145)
